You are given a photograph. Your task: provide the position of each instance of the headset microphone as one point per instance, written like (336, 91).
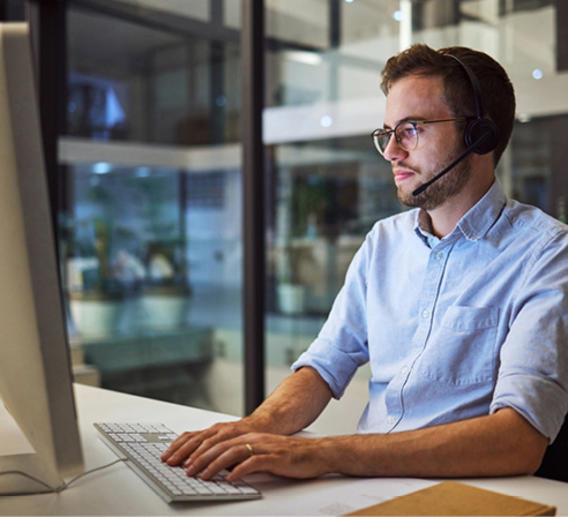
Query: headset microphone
(462, 156)
(481, 134)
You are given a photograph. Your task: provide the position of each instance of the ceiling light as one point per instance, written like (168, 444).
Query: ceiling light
(326, 121)
(398, 15)
(101, 168)
(303, 56)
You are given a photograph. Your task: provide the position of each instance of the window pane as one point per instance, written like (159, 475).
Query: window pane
(152, 235)
(155, 86)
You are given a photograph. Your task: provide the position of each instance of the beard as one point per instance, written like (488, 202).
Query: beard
(446, 187)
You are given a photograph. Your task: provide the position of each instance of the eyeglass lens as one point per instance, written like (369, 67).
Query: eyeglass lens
(405, 134)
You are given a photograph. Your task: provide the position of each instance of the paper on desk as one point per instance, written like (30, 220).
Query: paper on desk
(348, 497)
(335, 495)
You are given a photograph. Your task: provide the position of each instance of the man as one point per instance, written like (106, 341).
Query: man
(460, 306)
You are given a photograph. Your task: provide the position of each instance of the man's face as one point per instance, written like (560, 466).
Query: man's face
(422, 98)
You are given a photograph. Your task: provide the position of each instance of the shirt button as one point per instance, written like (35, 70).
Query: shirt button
(391, 420)
(439, 255)
(425, 313)
(404, 369)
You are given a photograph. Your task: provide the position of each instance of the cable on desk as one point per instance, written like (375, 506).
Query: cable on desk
(64, 485)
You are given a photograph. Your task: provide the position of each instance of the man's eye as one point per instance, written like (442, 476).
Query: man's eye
(407, 131)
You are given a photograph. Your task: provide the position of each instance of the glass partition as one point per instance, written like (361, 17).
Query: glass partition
(152, 238)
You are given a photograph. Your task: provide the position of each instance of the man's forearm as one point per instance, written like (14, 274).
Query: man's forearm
(496, 445)
(293, 405)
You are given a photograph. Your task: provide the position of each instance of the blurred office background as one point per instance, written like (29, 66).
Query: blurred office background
(149, 177)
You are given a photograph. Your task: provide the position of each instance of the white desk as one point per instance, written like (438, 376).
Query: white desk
(118, 491)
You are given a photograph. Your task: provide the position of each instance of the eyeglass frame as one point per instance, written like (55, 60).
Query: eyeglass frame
(415, 124)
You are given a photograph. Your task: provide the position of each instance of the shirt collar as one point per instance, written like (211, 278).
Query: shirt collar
(482, 216)
(476, 221)
(423, 228)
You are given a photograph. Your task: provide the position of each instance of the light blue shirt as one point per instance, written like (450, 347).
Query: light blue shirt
(454, 328)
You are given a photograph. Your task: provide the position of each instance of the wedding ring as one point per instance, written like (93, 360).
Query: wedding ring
(249, 448)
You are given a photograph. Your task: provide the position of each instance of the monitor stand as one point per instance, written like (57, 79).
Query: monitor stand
(17, 454)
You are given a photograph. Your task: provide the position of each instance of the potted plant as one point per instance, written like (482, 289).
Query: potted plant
(308, 203)
(290, 293)
(166, 292)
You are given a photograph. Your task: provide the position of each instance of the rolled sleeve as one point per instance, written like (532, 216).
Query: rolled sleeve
(533, 375)
(538, 400)
(336, 367)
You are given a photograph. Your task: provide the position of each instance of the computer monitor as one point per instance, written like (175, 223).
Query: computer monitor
(35, 375)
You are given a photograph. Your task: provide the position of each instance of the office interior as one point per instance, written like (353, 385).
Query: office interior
(142, 112)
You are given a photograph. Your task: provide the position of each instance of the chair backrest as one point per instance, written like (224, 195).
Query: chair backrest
(555, 462)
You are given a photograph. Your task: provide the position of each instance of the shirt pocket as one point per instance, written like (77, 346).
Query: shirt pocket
(462, 349)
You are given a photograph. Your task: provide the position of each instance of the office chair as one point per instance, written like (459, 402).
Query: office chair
(555, 462)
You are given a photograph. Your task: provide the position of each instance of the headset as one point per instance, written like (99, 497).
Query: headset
(480, 129)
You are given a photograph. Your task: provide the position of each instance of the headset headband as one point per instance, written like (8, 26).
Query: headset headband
(475, 86)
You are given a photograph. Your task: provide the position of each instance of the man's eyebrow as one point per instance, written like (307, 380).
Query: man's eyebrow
(405, 119)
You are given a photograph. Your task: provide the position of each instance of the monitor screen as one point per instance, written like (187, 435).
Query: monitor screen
(35, 376)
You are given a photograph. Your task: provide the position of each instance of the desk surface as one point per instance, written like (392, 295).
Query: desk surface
(118, 491)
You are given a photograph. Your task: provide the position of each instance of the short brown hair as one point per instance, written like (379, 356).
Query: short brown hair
(497, 93)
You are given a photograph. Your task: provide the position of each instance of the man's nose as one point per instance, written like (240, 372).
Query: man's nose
(394, 151)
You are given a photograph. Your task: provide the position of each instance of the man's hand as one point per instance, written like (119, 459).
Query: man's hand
(188, 444)
(260, 452)
(234, 445)
(293, 405)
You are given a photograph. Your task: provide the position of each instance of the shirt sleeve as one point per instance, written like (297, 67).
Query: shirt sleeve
(533, 372)
(341, 345)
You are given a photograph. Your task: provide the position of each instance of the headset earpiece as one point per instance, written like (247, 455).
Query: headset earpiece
(484, 130)
(480, 128)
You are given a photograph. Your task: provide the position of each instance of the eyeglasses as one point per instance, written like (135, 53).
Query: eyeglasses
(405, 133)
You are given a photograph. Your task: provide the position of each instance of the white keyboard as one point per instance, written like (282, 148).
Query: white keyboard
(143, 444)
